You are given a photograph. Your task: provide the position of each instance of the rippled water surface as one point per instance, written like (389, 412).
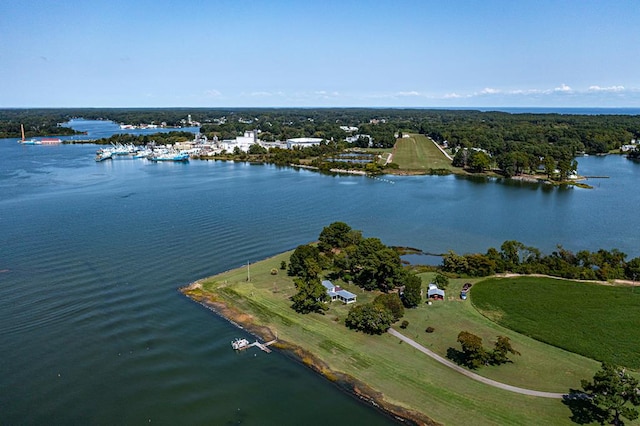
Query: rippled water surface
(93, 330)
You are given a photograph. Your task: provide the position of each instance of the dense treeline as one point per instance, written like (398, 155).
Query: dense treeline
(36, 122)
(515, 257)
(160, 138)
(512, 143)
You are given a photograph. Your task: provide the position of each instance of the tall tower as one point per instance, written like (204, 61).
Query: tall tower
(189, 119)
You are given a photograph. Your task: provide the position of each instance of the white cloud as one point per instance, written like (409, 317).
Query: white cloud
(606, 89)
(212, 93)
(326, 94)
(490, 91)
(410, 93)
(563, 88)
(453, 96)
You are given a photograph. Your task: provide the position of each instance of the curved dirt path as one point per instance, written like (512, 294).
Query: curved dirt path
(472, 375)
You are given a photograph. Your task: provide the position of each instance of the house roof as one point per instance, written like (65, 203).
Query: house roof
(346, 294)
(328, 285)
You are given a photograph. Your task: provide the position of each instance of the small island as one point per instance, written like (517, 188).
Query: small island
(293, 296)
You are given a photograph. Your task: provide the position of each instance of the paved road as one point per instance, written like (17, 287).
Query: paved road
(470, 374)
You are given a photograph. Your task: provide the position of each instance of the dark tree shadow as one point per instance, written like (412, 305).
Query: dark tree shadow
(333, 276)
(583, 410)
(457, 356)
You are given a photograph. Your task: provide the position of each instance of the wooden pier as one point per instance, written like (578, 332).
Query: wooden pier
(263, 346)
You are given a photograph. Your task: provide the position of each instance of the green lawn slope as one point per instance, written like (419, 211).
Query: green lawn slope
(601, 322)
(401, 374)
(419, 153)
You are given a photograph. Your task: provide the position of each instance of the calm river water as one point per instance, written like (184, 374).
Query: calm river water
(93, 331)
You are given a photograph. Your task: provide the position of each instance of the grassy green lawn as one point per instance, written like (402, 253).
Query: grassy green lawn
(597, 321)
(418, 153)
(403, 375)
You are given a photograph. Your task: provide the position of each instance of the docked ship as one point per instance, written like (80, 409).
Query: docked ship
(181, 156)
(31, 141)
(50, 141)
(104, 154)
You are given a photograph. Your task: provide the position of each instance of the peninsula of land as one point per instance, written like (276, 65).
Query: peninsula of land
(394, 371)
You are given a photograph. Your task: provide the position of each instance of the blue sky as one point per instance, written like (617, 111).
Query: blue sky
(401, 53)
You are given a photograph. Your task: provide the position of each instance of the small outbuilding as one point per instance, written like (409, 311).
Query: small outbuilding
(434, 292)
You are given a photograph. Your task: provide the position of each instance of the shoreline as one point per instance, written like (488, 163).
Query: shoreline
(343, 381)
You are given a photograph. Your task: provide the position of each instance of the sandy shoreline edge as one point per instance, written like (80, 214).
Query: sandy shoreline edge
(343, 381)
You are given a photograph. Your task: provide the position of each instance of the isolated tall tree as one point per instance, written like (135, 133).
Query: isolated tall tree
(411, 296)
(310, 297)
(613, 393)
(474, 354)
(500, 353)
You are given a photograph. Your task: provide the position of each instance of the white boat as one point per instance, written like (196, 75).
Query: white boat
(31, 141)
(102, 155)
(143, 153)
(171, 156)
(238, 344)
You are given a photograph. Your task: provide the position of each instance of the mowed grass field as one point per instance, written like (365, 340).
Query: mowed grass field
(419, 153)
(402, 374)
(598, 321)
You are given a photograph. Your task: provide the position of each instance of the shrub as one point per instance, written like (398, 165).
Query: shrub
(274, 271)
(404, 324)
(430, 329)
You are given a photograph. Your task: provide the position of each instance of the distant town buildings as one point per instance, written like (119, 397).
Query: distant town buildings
(303, 142)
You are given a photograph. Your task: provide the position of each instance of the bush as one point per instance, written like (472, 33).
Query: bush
(404, 324)
(283, 265)
(274, 271)
(430, 330)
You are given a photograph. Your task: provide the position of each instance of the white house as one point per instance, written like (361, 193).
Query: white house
(336, 293)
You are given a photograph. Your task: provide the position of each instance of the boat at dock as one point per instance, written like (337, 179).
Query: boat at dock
(24, 141)
(239, 344)
(102, 155)
(181, 156)
(50, 141)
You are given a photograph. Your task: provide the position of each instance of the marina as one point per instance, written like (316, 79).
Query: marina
(132, 151)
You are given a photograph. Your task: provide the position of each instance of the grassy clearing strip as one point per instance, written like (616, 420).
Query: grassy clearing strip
(419, 153)
(405, 376)
(597, 321)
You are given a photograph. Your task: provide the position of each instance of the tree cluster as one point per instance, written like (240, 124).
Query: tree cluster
(514, 256)
(344, 253)
(36, 122)
(474, 355)
(159, 138)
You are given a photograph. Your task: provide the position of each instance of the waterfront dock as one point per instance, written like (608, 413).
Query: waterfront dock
(239, 345)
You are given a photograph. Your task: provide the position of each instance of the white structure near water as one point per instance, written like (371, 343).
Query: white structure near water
(337, 293)
(241, 142)
(303, 142)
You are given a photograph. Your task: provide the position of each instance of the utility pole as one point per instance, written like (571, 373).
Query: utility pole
(248, 272)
